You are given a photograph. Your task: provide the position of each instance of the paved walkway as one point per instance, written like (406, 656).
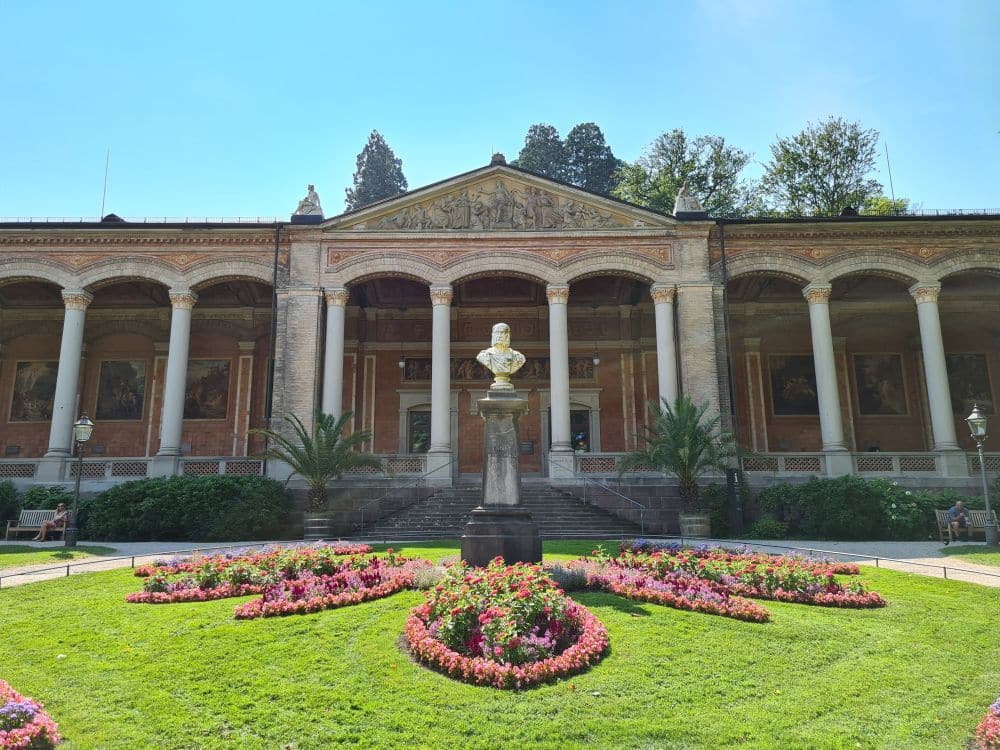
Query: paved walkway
(923, 558)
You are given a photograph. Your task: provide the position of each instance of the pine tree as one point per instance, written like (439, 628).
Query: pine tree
(379, 174)
(543, 152)
(590, 164)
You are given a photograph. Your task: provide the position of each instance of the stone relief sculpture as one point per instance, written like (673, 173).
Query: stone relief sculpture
(309, 206)
(499, 206)
(465, 369)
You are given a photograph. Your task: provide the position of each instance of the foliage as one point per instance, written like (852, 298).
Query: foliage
(23, 723)
(768, 527)
(46, 496)
(590, 164)
(10, 506)
(542, 152)
(209, 508)
(823, 169)
(684, 441)
(711, 168)
(379, 174)
(321, 455)
(883, 205)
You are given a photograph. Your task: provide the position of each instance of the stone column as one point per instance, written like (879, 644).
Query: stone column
(182, 301)
(666, 346)
(439, 454)
(831, 424)
(936, 375)
(697, 344)
(561, 451)
(333, 360)
(68, 377)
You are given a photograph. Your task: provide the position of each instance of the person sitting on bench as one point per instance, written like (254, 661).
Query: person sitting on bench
(958, 519)
(59, 522)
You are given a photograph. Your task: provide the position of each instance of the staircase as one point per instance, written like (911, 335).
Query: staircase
(445, 513)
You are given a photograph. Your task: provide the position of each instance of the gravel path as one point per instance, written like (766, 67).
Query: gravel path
(923, 558)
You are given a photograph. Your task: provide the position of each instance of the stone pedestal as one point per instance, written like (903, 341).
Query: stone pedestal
(500, 527)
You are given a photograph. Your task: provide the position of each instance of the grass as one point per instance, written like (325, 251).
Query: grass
(917, 674)
(979, 553)
(15, 555)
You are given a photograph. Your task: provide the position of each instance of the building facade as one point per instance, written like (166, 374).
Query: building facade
(830, 346)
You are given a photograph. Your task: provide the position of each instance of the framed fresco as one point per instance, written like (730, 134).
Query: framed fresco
(121, 390)
(793, 385)
(34, 391)
(879, 380)
(969, 382)
(206, 394)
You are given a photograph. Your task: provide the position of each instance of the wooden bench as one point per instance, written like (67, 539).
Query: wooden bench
(32, 520)
(977, 524)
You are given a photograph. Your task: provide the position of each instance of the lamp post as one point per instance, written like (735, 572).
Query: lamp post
(82, 429)
(977, 426)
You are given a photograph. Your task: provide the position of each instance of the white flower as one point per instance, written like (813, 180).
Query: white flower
(908, 492)
(894, 505)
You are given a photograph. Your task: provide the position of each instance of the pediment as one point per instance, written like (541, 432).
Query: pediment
(498, 199)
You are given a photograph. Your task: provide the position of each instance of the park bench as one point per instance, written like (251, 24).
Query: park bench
(31, 520)
(977, 523)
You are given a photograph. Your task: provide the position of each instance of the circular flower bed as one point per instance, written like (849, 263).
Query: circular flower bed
(23, 723)
(506, 626)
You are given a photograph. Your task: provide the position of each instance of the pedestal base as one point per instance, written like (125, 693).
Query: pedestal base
(501, 532)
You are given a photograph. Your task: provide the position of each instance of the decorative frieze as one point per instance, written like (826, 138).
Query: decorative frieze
(468, 369)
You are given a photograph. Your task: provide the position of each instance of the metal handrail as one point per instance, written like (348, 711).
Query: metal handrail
(411, 485)
(642, 508)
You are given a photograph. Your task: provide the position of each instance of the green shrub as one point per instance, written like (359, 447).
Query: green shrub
(215, 508)
(46, 496)
(768, 527)
(10, 506)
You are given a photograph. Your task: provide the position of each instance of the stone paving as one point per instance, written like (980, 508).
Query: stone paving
(923, 558)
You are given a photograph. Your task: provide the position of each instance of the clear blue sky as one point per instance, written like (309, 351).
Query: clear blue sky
(229, 109)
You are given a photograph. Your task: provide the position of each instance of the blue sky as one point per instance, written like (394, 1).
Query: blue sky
(226, 109)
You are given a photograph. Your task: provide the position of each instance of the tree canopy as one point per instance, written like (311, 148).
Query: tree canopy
(823, 169)
(584, 159)
(542, 152)
(379, 174)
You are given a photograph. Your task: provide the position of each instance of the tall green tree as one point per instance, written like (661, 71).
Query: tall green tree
(590, 164)
(883, 205)
(543, 152)
(711, 167)
(823, 169)
(379, 174)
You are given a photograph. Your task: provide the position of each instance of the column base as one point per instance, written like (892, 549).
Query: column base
(953, 463)
(562, 465)
(165, 466)
(438, 469)
(51, 469)
(838, 463)
(501, 532)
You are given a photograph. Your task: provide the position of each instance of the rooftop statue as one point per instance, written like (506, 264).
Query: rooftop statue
(685, 203)
(309, 206)
(500, 359)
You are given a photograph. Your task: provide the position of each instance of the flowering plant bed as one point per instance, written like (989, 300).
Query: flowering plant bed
(506, 626)
(988, 731)
(268, 558)
(23, 723)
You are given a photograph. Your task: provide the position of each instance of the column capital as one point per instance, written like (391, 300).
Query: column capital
(557, 294)
(662, 293)
(77, 299)
(182, 299)
(817, 294)
(441, 294)
(336, 296)
(925, 292)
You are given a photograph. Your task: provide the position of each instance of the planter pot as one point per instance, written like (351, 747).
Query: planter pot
(697, 525)
(317, 526)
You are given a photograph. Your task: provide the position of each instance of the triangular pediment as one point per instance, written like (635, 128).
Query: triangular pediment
(498, 199)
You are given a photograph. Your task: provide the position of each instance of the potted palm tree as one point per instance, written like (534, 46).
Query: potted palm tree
(319, 456)
(683, 441)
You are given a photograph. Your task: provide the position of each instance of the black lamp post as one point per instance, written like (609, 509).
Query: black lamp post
(977, 426)
(82, 429)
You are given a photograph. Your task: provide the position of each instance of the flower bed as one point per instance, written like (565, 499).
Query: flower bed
(988, 731)
(506, 626)
(268, 558)
(23, 723)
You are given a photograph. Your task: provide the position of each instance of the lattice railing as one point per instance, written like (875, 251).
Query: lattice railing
(393, 465)
(785, 463)
(896, 463)
(605, 464)
(992, 461)
(18, 469)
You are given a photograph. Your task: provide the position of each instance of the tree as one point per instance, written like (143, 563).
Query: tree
(379, 174)
(883, 205)
(590, 164)
(542, 152)
(711, 168)
(320, 456)
(823, 169)
(681, 440)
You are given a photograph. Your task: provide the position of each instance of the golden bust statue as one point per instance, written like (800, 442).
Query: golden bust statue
(500, 359)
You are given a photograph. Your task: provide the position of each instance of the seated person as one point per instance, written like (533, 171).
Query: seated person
(59, 522)
(958, 519)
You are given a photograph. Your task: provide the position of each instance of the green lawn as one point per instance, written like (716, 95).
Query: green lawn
(917, 674)
(14, 555)
(975, 553)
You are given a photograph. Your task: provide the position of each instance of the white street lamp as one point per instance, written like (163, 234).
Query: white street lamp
(977, 426)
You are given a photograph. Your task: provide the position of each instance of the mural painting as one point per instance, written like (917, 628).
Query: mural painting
(121, 390)
(793, 385)
(34, 391)
(969, 381)
(880, 384)
(206, 395)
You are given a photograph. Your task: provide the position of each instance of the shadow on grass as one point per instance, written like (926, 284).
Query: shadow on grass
(611, 601)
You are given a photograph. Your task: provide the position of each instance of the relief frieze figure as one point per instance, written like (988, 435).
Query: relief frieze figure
(468, 369)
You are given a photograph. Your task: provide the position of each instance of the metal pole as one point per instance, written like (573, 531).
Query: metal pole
(991, 529)
(69, 535)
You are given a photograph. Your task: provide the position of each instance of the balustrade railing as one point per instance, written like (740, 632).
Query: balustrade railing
(606, 465)
(406, 464)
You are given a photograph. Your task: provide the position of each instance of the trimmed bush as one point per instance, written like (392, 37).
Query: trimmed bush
(46, 496)
(215, 508)
(10, 506)
(768, 527)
